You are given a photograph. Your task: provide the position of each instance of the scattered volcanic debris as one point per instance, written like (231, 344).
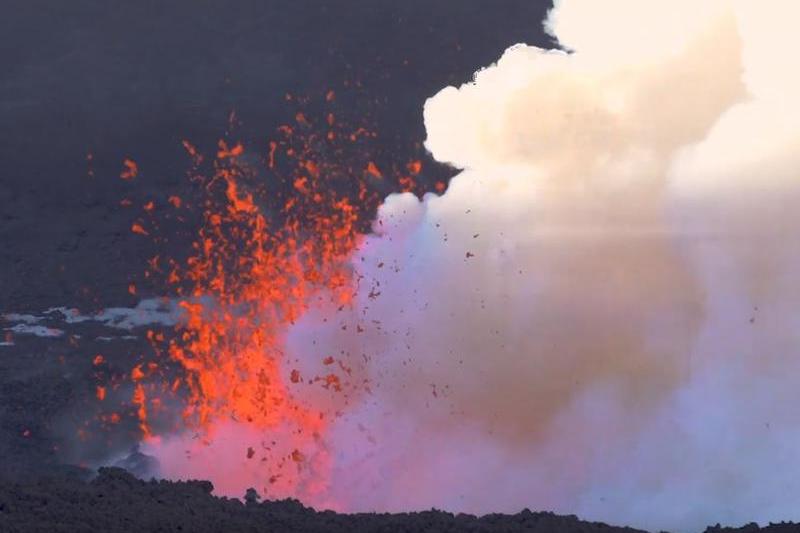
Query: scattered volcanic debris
(101, 352)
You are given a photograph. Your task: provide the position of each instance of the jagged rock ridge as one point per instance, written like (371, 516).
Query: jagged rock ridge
(115, 501)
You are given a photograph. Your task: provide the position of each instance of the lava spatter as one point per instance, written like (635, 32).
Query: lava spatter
(279, 227)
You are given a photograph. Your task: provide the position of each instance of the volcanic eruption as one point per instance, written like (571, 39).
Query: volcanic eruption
(551, 324)
(596, 314)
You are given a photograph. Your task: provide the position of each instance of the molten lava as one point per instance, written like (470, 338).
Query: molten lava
(273, 242)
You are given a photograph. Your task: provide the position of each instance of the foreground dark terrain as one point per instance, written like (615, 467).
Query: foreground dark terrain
(116, 501)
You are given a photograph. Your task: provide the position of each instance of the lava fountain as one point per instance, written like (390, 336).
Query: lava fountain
(268, 250)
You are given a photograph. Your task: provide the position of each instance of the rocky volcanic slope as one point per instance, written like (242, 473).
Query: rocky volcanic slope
(117, 501)
(782, 527)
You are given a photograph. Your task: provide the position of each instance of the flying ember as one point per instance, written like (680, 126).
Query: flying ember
(278, 229)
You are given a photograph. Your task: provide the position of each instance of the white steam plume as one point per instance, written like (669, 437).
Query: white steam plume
(600, 315)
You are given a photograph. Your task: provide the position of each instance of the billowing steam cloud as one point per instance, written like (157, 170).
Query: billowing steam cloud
(600, 315)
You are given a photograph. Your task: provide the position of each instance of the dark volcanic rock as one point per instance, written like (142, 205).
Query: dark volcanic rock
(117, 501)
(781, 527)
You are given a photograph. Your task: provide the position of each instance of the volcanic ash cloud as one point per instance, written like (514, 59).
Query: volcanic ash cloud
(599, 315)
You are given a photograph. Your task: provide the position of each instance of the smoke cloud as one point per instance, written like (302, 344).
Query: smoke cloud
(599, 315)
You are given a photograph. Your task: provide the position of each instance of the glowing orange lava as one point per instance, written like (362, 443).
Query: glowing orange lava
(279, 226)
(254, 271)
